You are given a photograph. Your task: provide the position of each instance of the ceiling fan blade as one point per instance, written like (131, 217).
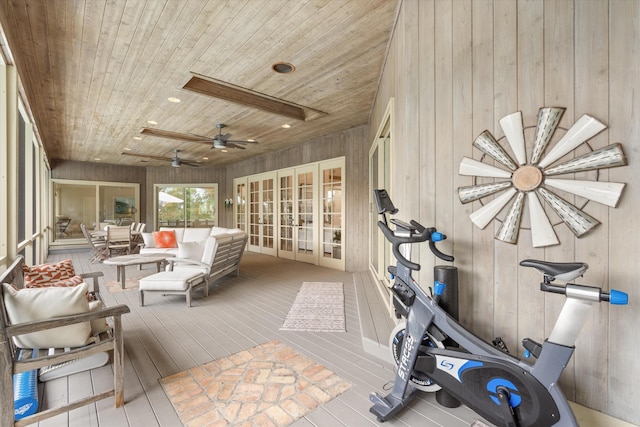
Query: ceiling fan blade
(483, 216)
(475, 168)
(548, 119)
(607, 193)
(166, 159)
(192, 163)
(514, 132)
(542, 233)
(472, 193)
(242, 141)
(510, 227)
(607, 157)
(586, 127)
(486, 143)
(233, 145)
(172, 135)
(579, 222)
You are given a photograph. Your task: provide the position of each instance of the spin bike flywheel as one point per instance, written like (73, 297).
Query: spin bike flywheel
(418, 379)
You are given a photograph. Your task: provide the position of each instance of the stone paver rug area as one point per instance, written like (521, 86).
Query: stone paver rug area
(318, 307)
(267, 385)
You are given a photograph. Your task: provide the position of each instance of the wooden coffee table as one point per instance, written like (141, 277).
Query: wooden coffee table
(121, 262)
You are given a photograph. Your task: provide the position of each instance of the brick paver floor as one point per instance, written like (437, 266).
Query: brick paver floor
(266, 386)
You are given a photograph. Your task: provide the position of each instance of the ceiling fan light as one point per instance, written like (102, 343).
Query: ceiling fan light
(175, 162)
(219, 144)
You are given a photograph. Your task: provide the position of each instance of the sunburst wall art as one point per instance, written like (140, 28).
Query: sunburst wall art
(533, 179)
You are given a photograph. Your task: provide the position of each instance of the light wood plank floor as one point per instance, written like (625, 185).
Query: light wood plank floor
(166, 337)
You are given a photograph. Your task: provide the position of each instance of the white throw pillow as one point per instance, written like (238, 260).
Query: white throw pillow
(98, 326)
(149, 241)
(26, 305)
(191, 250)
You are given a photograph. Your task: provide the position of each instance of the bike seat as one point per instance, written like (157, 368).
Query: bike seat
(564, 271)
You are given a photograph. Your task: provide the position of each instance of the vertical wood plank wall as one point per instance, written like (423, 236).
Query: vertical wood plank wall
(455, 68)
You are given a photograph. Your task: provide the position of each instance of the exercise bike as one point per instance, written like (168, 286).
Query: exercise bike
(500, 387)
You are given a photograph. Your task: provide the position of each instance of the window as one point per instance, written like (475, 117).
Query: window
(95, 205)
(188, 206)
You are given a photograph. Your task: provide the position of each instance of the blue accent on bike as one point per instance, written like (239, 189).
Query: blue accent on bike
(618, 297)
(437, 236)
(438, 288)
(468, 365)
(514, 398)
(527, 354)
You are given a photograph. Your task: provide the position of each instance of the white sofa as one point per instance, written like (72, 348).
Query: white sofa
(183, 235)
(196, 262)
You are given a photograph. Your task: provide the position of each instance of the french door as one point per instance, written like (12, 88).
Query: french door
(295, 213)
(306, 213)
(261, 214)
(286, 214)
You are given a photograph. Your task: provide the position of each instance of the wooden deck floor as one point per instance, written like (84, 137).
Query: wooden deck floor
(166, 337)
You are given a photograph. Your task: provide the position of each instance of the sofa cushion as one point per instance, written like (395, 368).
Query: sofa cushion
(218, 230)
(27, 305)
(47, 273)
(195, 234)
(190, 250)
(165, 239)
(178, 230)
(149, 241)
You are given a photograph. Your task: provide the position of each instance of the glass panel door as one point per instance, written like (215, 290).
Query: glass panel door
(380, 255)
(240, 220)
(306, 201)
(285, 214)
(332, 202)
(261, 214)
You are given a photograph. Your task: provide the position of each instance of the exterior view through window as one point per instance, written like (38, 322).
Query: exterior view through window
(187, 206)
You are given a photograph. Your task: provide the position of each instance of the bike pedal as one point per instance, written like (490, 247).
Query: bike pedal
(500, 344)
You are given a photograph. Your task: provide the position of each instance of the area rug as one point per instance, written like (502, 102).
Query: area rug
(114, 286)
(318, 307)
(270, 384)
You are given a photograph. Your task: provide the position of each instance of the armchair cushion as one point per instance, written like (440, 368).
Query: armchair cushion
(165, 239)
(27, 305)
(47, 273)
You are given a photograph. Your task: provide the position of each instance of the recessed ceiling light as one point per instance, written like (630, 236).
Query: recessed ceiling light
(251, 140)
(286, 126)
(97, 159)
(137, 138)
(127, 149)
(283, 68)
(173, 99)
(153, 122)
(224, 151)
(205, 158)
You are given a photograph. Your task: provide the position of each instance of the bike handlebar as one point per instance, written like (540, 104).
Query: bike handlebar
(421, 234)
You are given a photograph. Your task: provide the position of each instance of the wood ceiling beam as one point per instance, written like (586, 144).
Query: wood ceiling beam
(243, 96)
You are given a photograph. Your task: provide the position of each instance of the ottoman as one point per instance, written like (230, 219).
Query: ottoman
(172, 282)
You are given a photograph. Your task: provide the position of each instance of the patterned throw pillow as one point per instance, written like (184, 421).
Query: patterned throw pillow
(165, 239)
(71, 281)
(48, 273)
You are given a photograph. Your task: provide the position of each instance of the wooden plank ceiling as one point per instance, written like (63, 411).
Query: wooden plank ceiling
(96, 71)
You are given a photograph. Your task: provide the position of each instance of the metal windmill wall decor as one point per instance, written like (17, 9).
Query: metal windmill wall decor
(526, 180)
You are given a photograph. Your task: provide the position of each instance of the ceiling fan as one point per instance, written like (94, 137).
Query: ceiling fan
(219, 141)
(176, 161)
